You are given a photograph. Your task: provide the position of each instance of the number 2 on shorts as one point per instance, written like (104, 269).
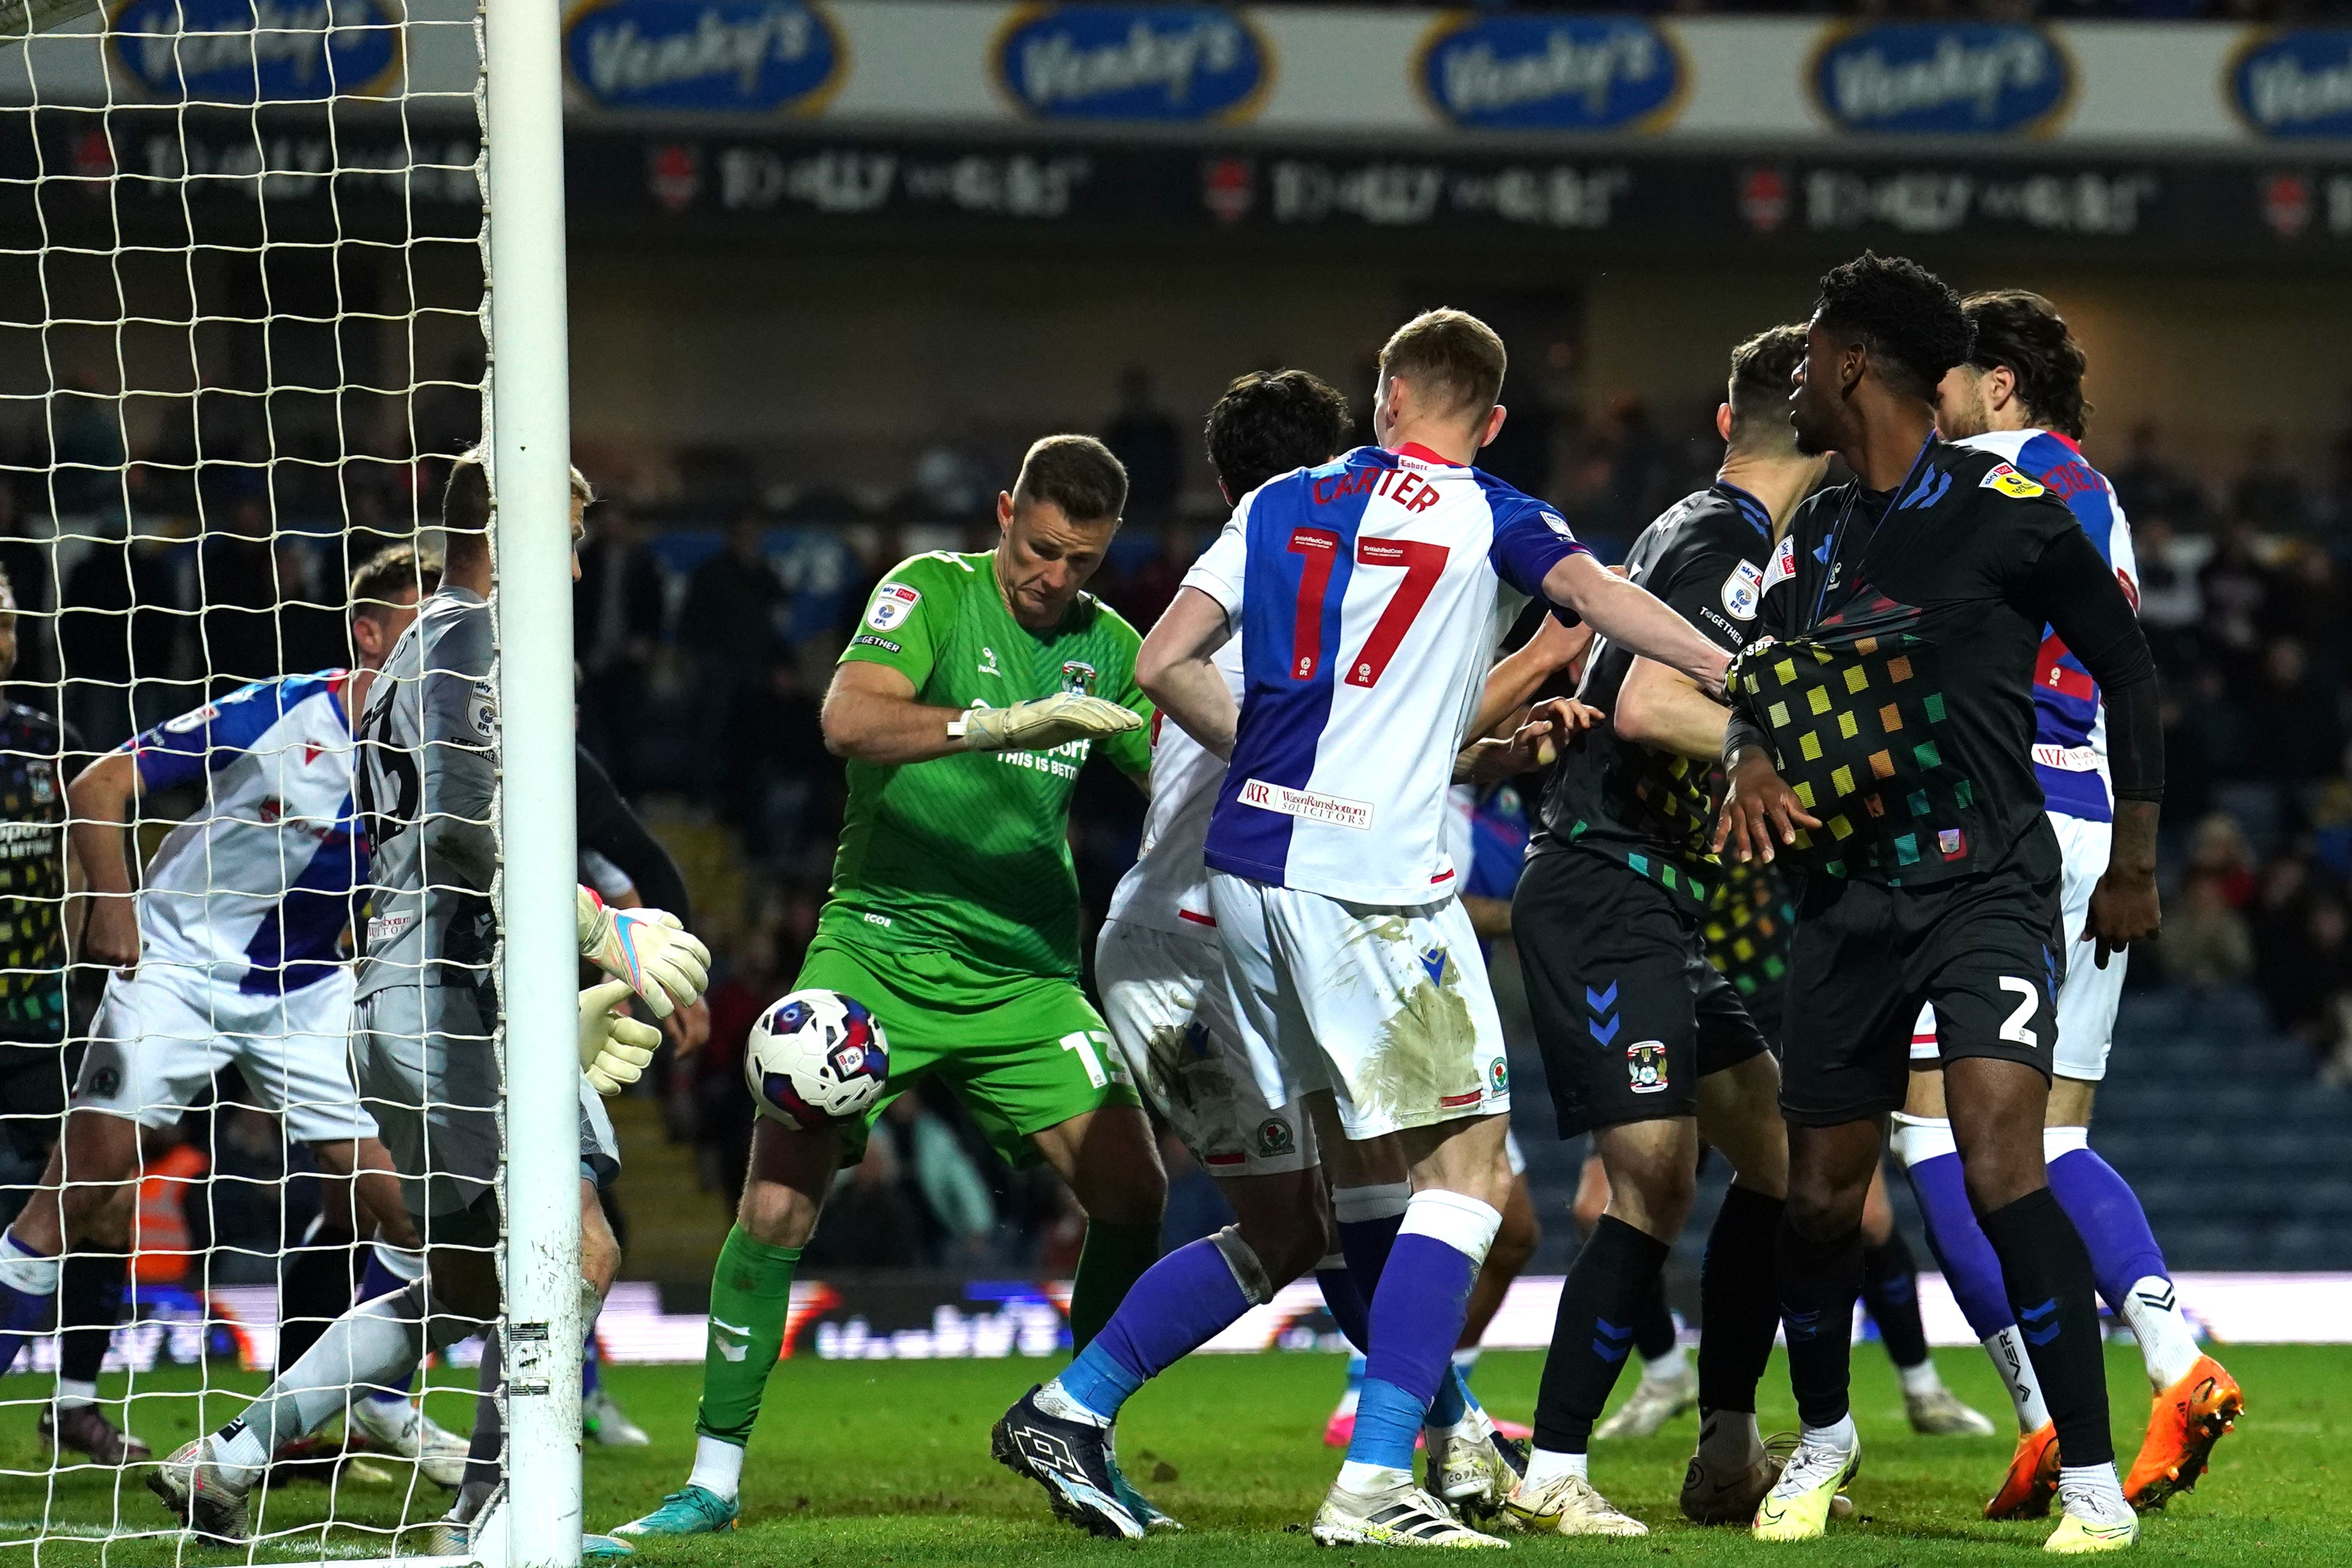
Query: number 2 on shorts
(2013, 1027)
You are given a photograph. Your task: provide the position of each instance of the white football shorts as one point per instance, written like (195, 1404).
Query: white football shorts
(162, 1033)
(1171, 1021)
(1387, 1008)
(2089, 995)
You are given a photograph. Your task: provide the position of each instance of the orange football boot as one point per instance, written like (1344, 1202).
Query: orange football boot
(2032, 1479)
(2190, 1418)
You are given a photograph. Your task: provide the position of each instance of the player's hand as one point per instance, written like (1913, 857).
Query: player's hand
(613, 1046)
(1759, 809)
(2124, 910)
(650, 949)
(688, 1028)
(1047, 722)
(111, 935)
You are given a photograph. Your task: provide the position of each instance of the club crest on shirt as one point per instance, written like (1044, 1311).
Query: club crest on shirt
(1743, 591)
(1645, 1064)
(1078, 678)
(893, 603)
(2009, 483)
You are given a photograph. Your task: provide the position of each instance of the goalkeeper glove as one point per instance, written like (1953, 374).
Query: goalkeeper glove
(650, 949)
(1041, 725)
(613, 1046)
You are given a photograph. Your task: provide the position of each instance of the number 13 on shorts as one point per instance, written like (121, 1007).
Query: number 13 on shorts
(1102, 1064)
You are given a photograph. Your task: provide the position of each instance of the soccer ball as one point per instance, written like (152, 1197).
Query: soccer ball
(816, 1058)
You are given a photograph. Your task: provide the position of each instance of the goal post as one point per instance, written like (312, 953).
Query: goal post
(528, 414)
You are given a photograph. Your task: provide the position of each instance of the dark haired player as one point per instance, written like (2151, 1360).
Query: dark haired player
(1646, 1045)
(968, 696)
(2020, 396)
(1886, 737)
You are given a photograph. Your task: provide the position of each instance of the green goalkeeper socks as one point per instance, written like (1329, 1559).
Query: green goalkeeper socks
(750, 1296)
(1114, 1259)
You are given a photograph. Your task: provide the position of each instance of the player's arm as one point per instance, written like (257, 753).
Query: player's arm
(1664, 709)
(1516, 679)
(2073, 589)
(98, 809)
(1632, 615)
(871, 715)
(1174, 668)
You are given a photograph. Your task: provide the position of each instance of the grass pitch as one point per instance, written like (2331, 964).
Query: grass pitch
(886, 1462)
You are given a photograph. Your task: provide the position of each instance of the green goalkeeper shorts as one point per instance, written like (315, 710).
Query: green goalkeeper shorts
(1021, 1051)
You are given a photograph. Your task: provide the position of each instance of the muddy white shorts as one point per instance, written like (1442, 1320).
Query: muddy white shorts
(163, 1033)
(1171, 1021)
(1387, 1008)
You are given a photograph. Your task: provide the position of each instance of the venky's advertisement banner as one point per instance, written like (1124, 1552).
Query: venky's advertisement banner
(1240, 75)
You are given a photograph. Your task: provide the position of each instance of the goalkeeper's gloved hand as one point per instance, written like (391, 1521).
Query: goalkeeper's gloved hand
(1042, 724)
(650, 949)
(613, 1046)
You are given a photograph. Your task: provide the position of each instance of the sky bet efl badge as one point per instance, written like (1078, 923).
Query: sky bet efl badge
(893, 603)
(2009, 483)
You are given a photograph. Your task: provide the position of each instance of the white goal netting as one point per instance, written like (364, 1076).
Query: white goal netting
(242, 334)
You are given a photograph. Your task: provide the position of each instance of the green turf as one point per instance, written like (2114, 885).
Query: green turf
(887, 1463)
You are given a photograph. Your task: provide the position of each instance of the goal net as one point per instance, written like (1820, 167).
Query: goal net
(246, 309)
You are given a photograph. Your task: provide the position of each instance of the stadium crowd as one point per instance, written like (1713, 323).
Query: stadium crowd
(704, 648)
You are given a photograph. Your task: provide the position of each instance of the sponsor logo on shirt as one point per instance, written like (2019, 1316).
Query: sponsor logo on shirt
(1743, 591)
(893, 603)
(2009, 483)
(1310, 806)
(2066, 759)
(867, 639)
(988, 662)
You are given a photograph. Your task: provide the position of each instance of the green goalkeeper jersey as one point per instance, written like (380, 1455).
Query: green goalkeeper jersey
(969, 854)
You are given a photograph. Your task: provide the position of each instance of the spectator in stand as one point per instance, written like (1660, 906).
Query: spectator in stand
(2219, 850)
(237, 586)
(2236, 588)
(2268, 494)
(2149, 486)
(2170, 606)
(954, 1197)
(24, 561)
(2206, 943)
(729, 624)
(1145, 437)
(2309, 606)
(2292, 714)
(616, 623)
(117, 628)
(781, 783)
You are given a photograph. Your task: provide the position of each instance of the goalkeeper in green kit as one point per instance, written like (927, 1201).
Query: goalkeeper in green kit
(967, 700)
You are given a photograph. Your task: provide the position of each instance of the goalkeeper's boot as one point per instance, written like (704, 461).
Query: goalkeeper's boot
(1655, 1401)
(2032, 1479)
(1801, 1501)
(696, 1511)
(1568, 1505)
(400, 1428)
(1072, 1461)
(208, 1498)
(1399, 1515)
(84, 1429)
(607, 1424)
(2092, 1518)
(1938, 1413)
(2190, 1418)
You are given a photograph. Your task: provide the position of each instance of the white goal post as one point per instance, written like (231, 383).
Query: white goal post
(530, 414)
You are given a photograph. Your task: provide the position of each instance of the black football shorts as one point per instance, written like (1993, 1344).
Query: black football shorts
(1629, 1014)
(1987, 950)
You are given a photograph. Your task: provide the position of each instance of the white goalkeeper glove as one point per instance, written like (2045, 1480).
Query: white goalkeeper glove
(613, 1046)
(1042, 724)
(650, 949)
